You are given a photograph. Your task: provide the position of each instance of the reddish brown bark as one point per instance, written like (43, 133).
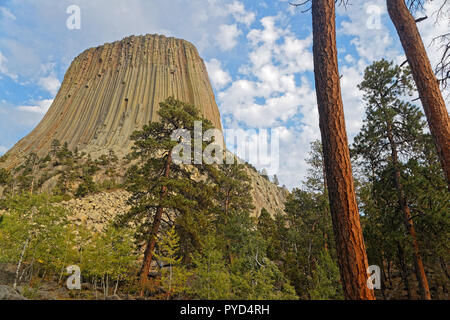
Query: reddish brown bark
(418, 264)
(148, 254)
(403, 270)
(426, 82)
(350, 246)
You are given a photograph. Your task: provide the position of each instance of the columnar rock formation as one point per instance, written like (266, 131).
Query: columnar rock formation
(112, 90)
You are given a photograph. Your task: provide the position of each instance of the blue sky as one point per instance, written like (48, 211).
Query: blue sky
(258, 54)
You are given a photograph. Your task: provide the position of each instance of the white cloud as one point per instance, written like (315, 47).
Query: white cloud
(433, 27)
(268, 35)
(373, 42)
(271, 91)
(239, 13)
(3, 61)
(28, 47)
(270, 88)
(267, 94)
(368, 24)
(50, 84)
(3, 150)
(354, 109)
(219, 77)
(40, 107)
(290, 50)
(4, 68)
(5, 12)
(227, 36)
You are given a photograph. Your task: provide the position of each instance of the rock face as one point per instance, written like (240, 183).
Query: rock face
(97, 210)
(266, 195)
(8, 293)
(112, 90)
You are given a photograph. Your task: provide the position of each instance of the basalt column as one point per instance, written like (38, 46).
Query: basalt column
(112, 90)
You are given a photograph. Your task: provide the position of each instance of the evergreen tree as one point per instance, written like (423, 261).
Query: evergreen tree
(87, 187)
(325, 283)
(211, 278)
(264, 173)
(299, 239)
(425, 79)
(174, 277)
(157, 183)
(5, 177)
(268, 230)
(392, 129)
(275, 180)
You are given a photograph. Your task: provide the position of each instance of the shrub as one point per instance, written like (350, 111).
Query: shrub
(86, 188)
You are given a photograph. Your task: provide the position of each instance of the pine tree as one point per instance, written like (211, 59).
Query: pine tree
(175, 276)
(268, 229)
(264, 173)
(157, 183)
(275, 180)
(325, 282)
(425, 79)
(5, 177)
(391, 130)
(211, 277)
(232, 193)
(299, 238)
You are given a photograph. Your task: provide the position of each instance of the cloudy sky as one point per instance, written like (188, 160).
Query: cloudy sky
(258, 54)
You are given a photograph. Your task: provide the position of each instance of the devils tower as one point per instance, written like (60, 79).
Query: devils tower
(114, 89)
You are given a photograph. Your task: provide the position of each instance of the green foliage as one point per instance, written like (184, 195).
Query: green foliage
(211, 279)
(74, 171)
(174, 277)
(325, 284)
(247, 277)
(109, 162)
(3, 158)
(109, 255)
(275, 180)
(262, 282)
(36, 223)
(389, 120)
(188, 198)
(297, 240)
(86, 188)
(218, 242)
(393, 141)
(268, 229)
(315, 179)
(232, 189)
(5, 177)
(108, 184)
(90, 167)
(38, 226)
(301, 235)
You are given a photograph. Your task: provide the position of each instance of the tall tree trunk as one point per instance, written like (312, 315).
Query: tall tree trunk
(350, 246)
(426, 82)
(383, 276)
(403, 270)
(325, 215)
(418, 264)
(148, 254)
